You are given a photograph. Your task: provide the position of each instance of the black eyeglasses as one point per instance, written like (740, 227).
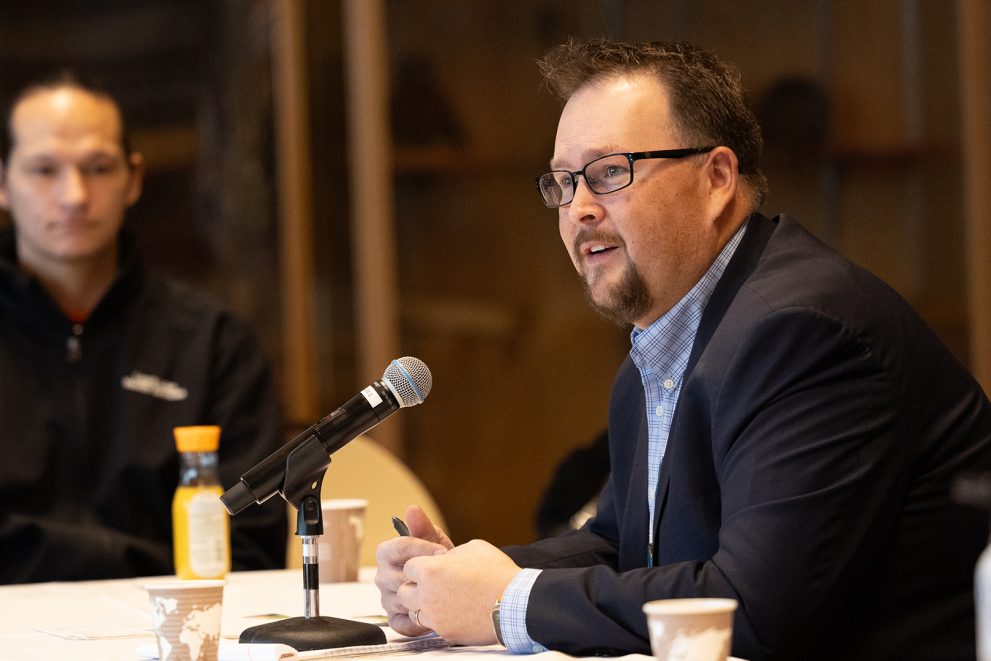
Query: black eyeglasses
(606, 174)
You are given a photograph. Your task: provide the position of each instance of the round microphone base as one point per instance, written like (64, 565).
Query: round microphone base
(314, 633)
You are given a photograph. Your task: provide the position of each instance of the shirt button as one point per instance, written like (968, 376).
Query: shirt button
(659, 410)
(669, 384)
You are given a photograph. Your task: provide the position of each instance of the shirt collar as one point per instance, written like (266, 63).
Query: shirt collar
(666, 344)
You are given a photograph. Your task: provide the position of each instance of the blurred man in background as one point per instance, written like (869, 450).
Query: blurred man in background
(569, 499)
(99, 361)
(785, 431)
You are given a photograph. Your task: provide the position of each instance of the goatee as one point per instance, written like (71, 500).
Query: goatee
(629, 300)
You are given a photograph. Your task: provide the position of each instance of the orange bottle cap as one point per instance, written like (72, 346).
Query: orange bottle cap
(201, 438)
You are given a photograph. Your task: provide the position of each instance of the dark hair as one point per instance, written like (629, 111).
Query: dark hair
(708, 103)
(61, 80)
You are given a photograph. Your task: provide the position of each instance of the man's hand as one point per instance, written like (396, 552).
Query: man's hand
(425, 539)
(455, 591)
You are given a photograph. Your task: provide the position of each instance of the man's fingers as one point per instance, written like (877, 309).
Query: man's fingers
(421, 526)
(402, 624)
(415, 569)
(388, 578)
(397, 551)
(400, 606)
(393, 605)
(399, 616)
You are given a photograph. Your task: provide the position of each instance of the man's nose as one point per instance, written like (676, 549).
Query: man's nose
(586, 206)
(73, 190)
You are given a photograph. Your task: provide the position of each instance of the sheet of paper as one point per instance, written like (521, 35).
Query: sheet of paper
(230, 651)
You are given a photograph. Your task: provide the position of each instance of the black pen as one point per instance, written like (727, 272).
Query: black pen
(400, 527)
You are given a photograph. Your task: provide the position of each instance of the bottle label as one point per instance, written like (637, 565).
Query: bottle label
(208, 548)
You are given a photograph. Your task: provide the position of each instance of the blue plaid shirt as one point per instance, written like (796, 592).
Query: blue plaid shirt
(661, 353)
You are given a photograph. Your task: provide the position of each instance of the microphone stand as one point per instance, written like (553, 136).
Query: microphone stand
(306, 466)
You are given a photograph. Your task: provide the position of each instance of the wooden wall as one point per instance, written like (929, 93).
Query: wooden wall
(868, 157)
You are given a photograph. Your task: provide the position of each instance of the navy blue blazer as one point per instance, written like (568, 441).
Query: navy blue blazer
(807, 475)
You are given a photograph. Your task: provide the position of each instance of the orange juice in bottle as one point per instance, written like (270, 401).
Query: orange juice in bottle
(200, 524)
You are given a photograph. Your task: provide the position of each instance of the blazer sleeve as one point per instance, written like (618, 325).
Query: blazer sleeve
(804, 433)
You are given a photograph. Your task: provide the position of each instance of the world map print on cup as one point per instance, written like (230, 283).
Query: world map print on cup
(186, 615)
(690, 629)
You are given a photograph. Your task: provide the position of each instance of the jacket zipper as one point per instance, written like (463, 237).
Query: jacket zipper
(74, 346)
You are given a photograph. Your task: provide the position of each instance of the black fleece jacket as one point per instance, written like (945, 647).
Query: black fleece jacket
(88, 464)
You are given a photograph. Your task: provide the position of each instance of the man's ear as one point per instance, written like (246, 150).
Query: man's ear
(136, 165)
(722, 178)
(4, 202)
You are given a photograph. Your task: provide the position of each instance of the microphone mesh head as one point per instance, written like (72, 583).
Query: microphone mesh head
(409, 379)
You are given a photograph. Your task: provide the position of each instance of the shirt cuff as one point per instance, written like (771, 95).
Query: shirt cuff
(512, 614)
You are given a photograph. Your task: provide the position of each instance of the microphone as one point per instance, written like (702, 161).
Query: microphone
(406, 382)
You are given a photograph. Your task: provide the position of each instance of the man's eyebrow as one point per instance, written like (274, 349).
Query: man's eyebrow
(38, 156)
(48, 155)
(589, 154)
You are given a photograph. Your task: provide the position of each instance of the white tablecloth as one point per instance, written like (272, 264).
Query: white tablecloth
(110, 620)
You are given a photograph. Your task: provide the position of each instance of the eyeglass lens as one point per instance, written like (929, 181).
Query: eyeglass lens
(603, 175)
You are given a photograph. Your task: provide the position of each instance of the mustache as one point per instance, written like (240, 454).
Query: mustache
(592, 235)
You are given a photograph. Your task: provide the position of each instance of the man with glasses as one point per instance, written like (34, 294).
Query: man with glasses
(784, 433)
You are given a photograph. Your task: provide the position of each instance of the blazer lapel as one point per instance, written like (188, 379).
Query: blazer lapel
(741, 265)
(628, 427)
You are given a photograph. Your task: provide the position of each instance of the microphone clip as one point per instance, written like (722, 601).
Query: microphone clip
(306, 466)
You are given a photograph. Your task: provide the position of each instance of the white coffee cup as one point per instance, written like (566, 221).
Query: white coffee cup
(339, 547)
(690, 629)
(187, 618)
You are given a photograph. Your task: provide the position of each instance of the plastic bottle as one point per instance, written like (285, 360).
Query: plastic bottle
(200, 524)
(982, 590)
(975, 490)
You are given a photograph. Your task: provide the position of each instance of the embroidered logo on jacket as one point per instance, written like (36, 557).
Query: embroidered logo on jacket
(149, 384)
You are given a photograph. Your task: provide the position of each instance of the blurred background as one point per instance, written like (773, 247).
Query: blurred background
(355, 177)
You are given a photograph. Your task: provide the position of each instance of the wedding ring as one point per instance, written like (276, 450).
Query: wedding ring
(414, 615)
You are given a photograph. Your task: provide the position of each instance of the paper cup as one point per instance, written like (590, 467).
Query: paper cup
(339, 547)
(690, 629)
(187, 619)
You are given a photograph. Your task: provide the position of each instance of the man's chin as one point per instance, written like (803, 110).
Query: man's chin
(83, 251)
(598, 288)
(608, 306)
(620, 304)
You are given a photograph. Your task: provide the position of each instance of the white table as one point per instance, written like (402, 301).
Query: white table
(116, 618)
(31, 616)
